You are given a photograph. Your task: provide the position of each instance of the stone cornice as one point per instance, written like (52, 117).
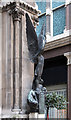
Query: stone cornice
(58, 43)
(22, 5)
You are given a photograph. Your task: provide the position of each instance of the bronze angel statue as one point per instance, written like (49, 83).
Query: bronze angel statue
(35, 47)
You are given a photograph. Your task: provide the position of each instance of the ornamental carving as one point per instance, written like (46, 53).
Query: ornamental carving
(16, 14)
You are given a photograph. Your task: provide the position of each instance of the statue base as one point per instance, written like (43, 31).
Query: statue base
(17, 111)
(42, 116)
(36, 115)
(33, 115)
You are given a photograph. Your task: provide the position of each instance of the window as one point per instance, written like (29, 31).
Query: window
(57, 3)
(57, 13)
(42, 19)
(41, 6)
(58, 10)
(58, 21)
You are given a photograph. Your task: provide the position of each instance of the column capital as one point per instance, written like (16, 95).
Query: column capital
(16, 13)
(68, 56)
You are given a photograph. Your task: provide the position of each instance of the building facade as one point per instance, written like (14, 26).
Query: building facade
(57, 67)
(16, 70)
(15, 74)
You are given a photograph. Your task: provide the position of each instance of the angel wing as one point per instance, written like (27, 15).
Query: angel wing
(32, 41)
(42, 38)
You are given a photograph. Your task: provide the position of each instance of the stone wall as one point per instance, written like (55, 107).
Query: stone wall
(16, 69)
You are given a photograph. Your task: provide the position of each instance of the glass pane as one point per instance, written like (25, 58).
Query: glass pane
(42, 20)
(58, 21)
(56, 3)
(41, 6)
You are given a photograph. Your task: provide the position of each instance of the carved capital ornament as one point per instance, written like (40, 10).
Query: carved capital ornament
(16, 14)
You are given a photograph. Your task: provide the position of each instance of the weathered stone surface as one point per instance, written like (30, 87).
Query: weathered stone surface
(27, 67)
(0, 63)
(16, 69)
(8, 100)
(33, 116)
(4, 98)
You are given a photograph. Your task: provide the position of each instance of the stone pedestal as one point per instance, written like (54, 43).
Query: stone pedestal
(36, 116)
(41, 116)
(33, 116)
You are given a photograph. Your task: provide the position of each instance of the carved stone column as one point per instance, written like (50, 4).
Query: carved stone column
(0, 64)
(17, 56)
(68, 55)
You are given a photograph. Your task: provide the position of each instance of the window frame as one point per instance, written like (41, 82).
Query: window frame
(51, 21)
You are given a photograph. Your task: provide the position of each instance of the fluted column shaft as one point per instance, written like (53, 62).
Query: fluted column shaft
(17, 44)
